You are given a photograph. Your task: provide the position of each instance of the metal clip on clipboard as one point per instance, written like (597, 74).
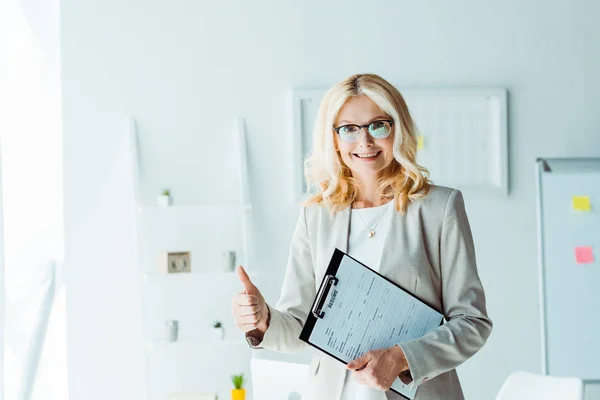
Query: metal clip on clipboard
(328, 282)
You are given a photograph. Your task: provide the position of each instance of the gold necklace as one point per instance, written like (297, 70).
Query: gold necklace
(372, 230)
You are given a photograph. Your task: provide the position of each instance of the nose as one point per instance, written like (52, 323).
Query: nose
(364, 138)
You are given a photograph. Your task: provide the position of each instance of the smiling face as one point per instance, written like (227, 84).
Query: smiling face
(367, 157)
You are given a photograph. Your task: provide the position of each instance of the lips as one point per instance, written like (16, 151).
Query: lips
(367, 156)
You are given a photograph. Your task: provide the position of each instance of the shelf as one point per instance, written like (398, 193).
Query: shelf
(193, 275)
(197, 342)
(194, 207)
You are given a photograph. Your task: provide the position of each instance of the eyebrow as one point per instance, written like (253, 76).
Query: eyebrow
(379, 117)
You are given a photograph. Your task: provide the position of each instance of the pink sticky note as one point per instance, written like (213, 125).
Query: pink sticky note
(584, 255)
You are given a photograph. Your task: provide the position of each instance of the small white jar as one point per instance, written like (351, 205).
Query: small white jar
(228, 259)
(164, 200)
(171, 330)
(218, 333)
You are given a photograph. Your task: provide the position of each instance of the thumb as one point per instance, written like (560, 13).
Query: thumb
(245, 279)
(359, 362)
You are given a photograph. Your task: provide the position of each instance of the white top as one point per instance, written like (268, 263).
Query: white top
(368, 251)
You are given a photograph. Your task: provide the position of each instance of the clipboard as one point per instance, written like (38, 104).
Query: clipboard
(357, 309)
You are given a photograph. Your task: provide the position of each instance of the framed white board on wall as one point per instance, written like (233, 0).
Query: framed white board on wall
(568, 201)
(464, 135)
(2, 283)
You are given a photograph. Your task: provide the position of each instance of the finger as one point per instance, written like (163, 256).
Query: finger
(248, 310)
(245, 279)
(360, 377)
(245, 300)
(249, 319)
(244, 311)
(360, 362)
(247, 327)
(366, 376)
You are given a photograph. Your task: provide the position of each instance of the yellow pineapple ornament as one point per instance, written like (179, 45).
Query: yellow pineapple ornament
(238, 393)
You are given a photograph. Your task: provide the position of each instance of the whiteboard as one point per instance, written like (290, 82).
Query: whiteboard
(2, 283)
(569, 277)
(464, 135)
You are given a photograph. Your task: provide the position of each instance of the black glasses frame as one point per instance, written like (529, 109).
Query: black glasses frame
(337, 130)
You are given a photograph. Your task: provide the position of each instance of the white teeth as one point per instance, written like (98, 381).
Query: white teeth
(368, 155)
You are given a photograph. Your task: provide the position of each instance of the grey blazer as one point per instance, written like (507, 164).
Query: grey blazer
(429, 252)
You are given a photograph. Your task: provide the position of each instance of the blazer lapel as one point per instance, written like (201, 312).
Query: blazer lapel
(395, 264)
(342, 229)
(390, 242)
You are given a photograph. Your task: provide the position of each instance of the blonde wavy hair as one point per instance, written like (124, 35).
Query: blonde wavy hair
(324, 169)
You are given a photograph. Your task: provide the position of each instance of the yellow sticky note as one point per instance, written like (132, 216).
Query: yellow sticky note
(420, 142)
(582, 203)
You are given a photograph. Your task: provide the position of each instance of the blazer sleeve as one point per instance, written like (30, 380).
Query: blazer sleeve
(468, 326)
(297, 293)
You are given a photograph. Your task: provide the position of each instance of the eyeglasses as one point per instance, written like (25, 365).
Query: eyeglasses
(377, 129)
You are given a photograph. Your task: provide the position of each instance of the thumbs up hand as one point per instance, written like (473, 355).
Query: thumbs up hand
(249, 308)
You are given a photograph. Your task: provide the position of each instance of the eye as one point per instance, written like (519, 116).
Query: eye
(349, 129)
(376, 125)
(380, 129)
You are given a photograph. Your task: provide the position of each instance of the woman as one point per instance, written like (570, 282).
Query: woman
(375, 203)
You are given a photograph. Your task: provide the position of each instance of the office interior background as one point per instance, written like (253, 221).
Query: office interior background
(103, 105)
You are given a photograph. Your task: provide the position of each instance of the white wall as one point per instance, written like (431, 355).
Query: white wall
(180, 67)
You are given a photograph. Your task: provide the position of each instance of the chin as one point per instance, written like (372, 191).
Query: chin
(365, 170)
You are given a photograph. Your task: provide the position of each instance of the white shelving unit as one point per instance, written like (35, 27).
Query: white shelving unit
(197, 298)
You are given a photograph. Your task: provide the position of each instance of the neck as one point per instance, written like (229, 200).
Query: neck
(367, 195)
